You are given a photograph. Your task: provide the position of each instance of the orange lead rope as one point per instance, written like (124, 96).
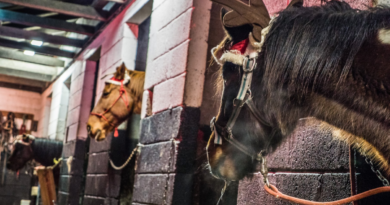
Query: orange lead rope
(275, 192)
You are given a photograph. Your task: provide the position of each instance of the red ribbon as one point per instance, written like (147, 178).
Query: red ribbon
(241, 46)
(117, 80)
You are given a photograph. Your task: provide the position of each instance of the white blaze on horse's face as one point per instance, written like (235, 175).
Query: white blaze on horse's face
(384, 36)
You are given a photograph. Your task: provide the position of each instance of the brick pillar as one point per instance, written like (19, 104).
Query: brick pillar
(102, 182)
(75, 147)
(175, 72)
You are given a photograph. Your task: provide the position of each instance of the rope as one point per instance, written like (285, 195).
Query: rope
(128, 159)
(56, 163)
(276, 193)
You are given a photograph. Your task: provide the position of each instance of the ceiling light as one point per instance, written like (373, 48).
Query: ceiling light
(36, 43)
(29, 53)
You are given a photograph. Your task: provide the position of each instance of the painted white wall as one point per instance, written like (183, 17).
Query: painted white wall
(58, 107)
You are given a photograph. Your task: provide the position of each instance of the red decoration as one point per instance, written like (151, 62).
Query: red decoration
(116, 133)
(241, 46)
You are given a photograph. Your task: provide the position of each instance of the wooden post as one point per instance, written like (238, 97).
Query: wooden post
(46, 182)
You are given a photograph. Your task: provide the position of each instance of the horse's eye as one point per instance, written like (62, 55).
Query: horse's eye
(105, 94)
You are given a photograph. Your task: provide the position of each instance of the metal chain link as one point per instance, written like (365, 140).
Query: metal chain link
(136, 149)
(377, 172)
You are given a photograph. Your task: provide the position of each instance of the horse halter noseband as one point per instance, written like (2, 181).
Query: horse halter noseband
(122, 91)
(244, 97)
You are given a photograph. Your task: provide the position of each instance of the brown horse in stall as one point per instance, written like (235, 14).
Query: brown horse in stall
(328, 62)
(121, 98)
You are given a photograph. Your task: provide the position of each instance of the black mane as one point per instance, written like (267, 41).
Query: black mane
(308, 47)
(46, 150)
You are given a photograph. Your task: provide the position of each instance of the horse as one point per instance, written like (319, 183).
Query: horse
(327, 63)
(122, 97)
(26, 148)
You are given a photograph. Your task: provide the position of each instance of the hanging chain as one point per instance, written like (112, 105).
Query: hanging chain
(137, 149)
(376, 171)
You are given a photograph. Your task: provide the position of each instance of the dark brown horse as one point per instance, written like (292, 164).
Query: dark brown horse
(122, 96)
(26, 148)
(329, 62)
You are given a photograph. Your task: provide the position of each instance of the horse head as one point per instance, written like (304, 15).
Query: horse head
(122, 96)
(21, 152)
(307, 66)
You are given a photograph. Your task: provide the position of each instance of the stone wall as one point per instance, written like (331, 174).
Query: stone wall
(309, 165)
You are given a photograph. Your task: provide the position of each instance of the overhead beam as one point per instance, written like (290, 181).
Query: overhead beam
(37, 49)
(21, 87)
(32, 20)
(26, 74)
(29, 67)
(39, 36)
(36, 59)
(87, 12)
(22, 81)
(3, 5)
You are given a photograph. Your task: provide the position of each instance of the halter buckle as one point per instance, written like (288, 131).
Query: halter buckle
(264, 169)
(246, 64)
(212, 124)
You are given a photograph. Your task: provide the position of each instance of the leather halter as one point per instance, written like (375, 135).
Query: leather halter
(122, 91)
(244, 97)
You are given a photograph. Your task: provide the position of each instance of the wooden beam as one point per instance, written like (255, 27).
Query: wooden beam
(21, 87)
(39, 36)
(26, 74)
(87, 12)
(29, 67)
(22, 81)
(37, 49)
(36, 59)
(31, 20)
(3, 5)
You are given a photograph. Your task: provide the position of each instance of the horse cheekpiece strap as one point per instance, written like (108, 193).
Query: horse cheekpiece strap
(217, 137)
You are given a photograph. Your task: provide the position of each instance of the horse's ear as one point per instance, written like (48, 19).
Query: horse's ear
(235, 33)
(295, 3)
(223, 13)
(120, 72)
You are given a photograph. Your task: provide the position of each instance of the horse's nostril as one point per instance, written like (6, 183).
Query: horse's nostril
(88, 128)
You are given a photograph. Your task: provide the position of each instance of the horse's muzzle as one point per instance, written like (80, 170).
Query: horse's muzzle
(95, 135)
